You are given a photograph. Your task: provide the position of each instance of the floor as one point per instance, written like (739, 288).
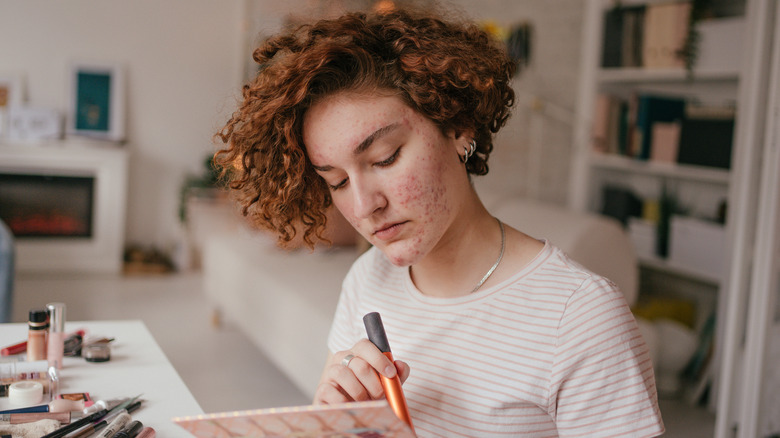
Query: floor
(222, 368)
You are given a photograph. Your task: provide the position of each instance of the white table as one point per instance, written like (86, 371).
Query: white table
(137, 366)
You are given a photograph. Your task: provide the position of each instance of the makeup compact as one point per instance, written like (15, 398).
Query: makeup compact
(98, 352)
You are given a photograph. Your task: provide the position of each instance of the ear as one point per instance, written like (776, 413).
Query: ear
(460, 139)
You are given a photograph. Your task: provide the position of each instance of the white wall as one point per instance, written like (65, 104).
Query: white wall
(532, 152)
(182, 65)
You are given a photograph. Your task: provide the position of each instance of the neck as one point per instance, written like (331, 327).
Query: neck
(468, 249)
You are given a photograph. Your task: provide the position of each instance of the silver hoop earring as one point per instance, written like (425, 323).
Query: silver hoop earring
(468, 151)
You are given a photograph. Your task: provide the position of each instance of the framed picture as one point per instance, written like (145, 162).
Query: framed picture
(11, 95)
(97, 104)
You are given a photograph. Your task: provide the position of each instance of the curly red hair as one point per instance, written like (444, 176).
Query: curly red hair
(453, 74)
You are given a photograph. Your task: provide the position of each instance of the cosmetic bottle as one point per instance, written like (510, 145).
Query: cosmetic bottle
(36, 335)
(56, 341)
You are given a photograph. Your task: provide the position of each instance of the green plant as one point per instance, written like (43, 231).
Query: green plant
(210, 178)
(690, 49)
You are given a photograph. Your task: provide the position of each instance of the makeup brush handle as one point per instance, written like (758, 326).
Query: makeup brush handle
(392, 386)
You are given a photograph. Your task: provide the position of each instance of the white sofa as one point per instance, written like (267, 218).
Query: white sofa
(284, 300)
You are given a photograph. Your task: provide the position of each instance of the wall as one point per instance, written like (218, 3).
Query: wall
(532, 152)
(181, 60)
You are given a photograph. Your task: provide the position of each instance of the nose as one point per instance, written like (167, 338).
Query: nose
(368, 197)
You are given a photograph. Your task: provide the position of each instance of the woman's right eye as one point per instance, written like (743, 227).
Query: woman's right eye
(341, 184)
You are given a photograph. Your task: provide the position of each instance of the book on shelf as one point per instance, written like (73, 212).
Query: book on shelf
(707, 135)
(633, 36)
(666, 142)
(610, 125)
(600, 130)
(663, 129)
(645, 36)
(623, 36)
(650, 110)
(612, 43)
(665, 31)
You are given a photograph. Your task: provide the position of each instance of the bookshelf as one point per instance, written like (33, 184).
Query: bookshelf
(741, 79)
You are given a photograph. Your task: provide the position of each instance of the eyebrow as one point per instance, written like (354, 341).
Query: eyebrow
(365, 144)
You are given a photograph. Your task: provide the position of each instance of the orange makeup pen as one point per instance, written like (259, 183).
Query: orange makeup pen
(393, 391)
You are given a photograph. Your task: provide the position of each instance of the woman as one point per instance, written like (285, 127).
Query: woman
(386, 116)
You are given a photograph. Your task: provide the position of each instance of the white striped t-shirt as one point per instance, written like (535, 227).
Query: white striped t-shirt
(553, 351)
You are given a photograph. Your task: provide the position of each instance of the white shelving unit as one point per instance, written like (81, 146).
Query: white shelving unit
(709, 175)
(747, 84)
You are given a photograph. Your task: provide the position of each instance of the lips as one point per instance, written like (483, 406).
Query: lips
(388, 231)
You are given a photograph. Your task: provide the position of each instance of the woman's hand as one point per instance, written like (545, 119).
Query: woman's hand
(356, 379)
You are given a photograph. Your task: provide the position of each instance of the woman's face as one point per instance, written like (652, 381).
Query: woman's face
(392, 173)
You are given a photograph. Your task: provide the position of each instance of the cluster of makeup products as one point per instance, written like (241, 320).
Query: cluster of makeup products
(25, 383)
(46, 339)
(102, 419)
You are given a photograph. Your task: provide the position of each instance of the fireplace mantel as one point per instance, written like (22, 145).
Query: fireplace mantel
(107, 163)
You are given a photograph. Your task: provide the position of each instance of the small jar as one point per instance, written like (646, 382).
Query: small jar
(99, 352)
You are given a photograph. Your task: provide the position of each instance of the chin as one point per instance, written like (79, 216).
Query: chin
(401, 254)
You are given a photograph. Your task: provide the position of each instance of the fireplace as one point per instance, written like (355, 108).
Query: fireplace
(47, 206)
(65, 204)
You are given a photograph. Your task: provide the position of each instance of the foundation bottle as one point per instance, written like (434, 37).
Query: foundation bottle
(56, 340)
(38, 326)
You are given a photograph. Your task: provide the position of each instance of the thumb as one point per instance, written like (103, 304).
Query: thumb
(403, 370)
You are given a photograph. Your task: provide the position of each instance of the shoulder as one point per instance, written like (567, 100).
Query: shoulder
(560, 269)
(591, 303)
(560, 285)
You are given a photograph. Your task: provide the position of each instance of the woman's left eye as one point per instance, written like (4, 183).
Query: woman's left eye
(389, 160)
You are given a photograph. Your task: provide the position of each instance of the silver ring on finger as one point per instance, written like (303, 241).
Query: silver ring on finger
(347, 359)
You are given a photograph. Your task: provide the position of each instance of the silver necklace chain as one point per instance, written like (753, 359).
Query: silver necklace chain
(495, 265)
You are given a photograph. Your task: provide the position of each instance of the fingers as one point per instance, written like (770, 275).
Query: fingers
(368, 386)
(352, 375)
(342, 385)
(378, 361)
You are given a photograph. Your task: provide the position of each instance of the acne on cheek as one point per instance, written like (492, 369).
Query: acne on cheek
(408, 191)
(429, 195)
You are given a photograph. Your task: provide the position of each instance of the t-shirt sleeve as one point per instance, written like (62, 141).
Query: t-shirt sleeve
(602, 381)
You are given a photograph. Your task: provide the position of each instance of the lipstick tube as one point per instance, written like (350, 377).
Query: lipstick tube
(21, 347)
(393, 391)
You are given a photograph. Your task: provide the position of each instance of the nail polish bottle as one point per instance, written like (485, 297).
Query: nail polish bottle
(56, 340)
(38, 326)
